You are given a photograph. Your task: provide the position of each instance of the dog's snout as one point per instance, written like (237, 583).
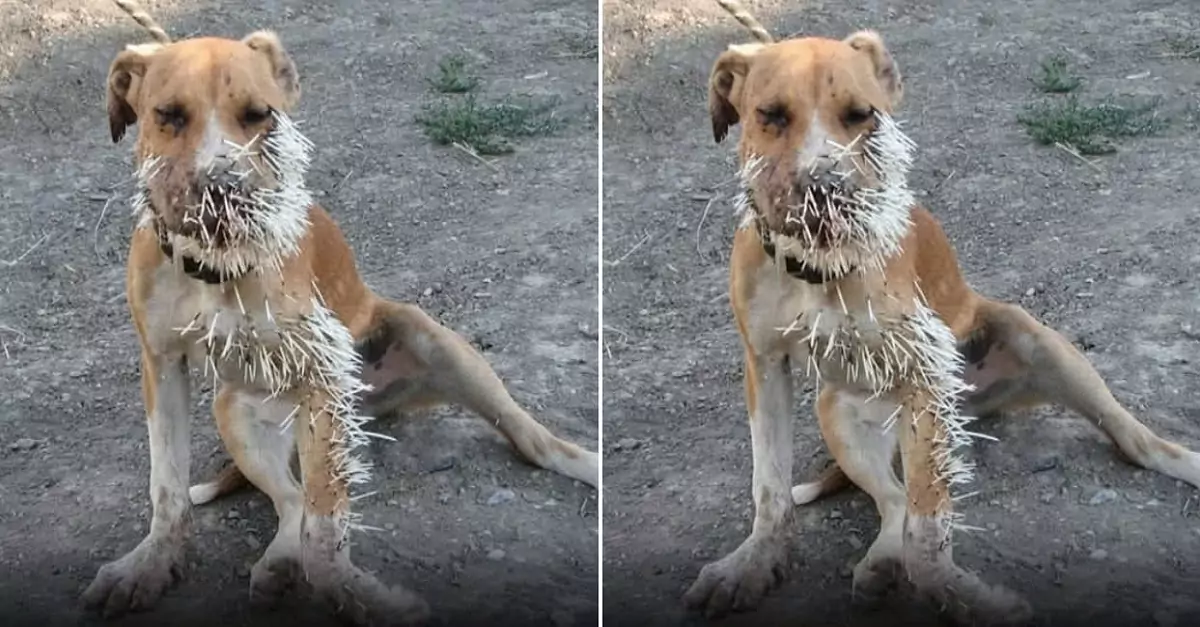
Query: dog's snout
(819, 174)
(220, 173)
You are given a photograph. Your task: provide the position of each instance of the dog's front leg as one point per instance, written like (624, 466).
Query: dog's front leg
(927, 558)
(325, 547)
(740, 579)
(137, 580)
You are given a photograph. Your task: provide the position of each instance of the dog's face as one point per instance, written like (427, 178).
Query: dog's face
(823, 163)
(220, 166)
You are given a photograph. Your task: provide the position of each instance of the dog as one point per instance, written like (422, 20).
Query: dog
(234, 269)
(837, 270)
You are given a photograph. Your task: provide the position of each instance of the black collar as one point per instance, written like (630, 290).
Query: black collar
(792, 265)
(194, 268)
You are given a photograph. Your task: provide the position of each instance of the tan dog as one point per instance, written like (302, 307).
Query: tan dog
(234, 270)
(837, 271)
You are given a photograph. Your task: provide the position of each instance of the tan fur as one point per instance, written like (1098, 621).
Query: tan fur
(413, 362)
(1021, 363)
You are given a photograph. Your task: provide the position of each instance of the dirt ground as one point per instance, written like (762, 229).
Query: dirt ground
(73, 460)
(1105, 254)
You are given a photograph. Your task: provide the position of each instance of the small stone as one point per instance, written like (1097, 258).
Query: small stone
(253, 543)
(1098, 554)
(24, 444)
(428, 292)
(835, 514)
(855, 542)
(1106, 495)
(233, 514)
(1031, 291)
(501, 496)
(496, 554)
(389, 526)
(627, 444)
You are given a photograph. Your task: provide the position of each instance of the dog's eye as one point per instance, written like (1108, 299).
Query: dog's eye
(857, 115)
(254, 115)
(775, 116)
(171, 115)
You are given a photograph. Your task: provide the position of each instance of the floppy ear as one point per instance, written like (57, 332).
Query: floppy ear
(124, 80)
(267, 43)
(887, 72)
(725, 87)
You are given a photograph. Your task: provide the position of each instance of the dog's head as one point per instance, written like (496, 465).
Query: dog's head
(823, 163)
(220, 164)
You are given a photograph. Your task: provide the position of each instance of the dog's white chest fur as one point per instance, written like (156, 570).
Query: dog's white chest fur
(225, 332)
(833, 334)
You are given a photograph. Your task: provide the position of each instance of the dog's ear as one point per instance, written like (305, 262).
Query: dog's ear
(887, 72)
(124, 80)
(284, 70)
(725, 87)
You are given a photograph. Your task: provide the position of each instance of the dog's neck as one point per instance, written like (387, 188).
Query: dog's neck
(196, 269)
(792, 265)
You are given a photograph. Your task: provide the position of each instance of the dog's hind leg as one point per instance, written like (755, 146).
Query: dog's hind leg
(831, 481)
(854, 430)
(229, 479)
(137, 580)
(250, 426)
(1021, 362)
(412, 361)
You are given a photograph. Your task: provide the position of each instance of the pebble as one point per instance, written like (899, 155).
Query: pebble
(24, 444)
(496, 554)
(627, 444)
(1106, 495)
(253, 543)
(233, 514)
(855, 542)
(501, 496)
(1098, 554)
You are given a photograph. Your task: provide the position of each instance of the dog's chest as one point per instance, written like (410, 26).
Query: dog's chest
(836, 335)
(235, 334)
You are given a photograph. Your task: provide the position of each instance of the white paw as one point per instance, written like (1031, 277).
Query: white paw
(741, 579)
(202, 493)
(362, 599)
(137, 580)
(806, 493)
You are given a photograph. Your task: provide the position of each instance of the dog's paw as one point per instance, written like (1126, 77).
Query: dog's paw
(968, 600)
(362, 599)
(271, 577)
(741, 579)
(874, 579)
(136, 581)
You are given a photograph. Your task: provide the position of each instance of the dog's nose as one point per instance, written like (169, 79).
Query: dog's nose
(220, 173)
(817, 173)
